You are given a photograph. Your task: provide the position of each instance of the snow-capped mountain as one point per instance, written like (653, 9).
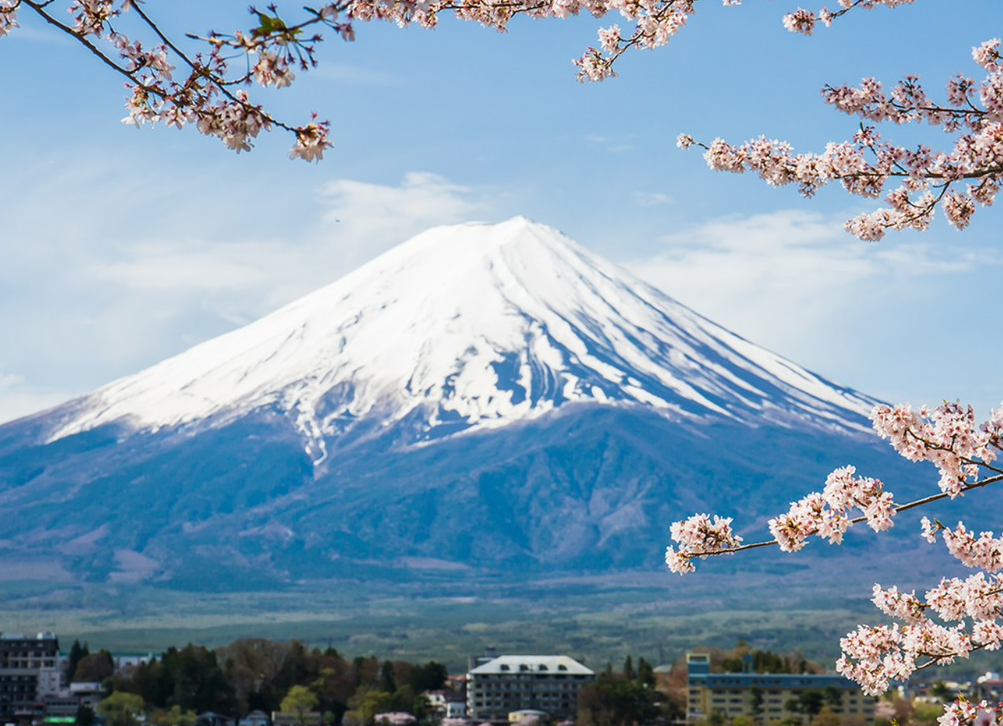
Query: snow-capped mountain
(483, 397)
(464, 328)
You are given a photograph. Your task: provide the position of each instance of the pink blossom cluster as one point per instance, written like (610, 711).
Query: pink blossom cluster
(875, 656)
(984, 552)
(699, 536)
(803, 21)
(963, 712)
(947, 436)
(826, 514)
(866, 163)
(394, 718)
(967, 610)
(8, 16)
(205, 96)
(655, 21)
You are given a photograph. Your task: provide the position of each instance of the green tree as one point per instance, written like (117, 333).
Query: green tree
(94, 667)
(833, 698)
(792, 705)
(190, 678)
(366, 670)
(925, 714)
(299, 700)
(77, 652)
(366, 703)
(645, 673)
(84, 716)
(387, 681)
(429, 677)
(405, 699)
(617, 701)
(121, 709)
(826, 717)
(941, 691)
(810, 702)
(756, 703)
(628, 668)
(173, 717)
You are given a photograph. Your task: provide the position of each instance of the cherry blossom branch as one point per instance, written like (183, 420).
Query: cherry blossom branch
(39, 8)
(198, 70)
(156, 97)
(874, 656)
(730, 550)
(947, 436)
(278, 45)
(804, 21)
(865, 163)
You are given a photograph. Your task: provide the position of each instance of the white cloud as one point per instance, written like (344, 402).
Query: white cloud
(613, 144)
(796, 282)
(651, 199)
(365, 219)
(19, 398)
(356, 222)
(184, 276)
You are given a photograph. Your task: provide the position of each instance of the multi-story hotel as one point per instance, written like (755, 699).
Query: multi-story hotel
(29, 672)
(763, 696)
(510, 683)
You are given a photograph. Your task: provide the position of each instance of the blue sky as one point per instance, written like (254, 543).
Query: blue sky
(120, 247)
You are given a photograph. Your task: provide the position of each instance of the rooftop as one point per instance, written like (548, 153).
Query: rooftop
(560, 664)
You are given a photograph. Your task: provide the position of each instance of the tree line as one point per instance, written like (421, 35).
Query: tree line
(255, 674)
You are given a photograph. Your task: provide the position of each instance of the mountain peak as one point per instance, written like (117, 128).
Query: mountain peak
(454, 250)
(469, 327)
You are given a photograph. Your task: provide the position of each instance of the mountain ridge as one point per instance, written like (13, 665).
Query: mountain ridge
(425, 328)
(491, 398)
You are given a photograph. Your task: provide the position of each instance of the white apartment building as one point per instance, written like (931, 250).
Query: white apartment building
(508, 683)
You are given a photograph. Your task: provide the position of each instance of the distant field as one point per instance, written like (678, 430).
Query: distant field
(599, 621)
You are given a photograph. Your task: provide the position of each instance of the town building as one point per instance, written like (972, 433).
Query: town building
(765, 696)
(87, 693)
(255, 718)
(509, 683)
(988, 687)
(289, 718)
(446, 703)
(211, 718)
(29, 673)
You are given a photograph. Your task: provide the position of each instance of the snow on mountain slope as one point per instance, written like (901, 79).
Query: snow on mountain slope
(465, 328)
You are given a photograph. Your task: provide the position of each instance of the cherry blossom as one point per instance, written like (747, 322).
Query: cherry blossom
(394, 718)
(959, 179)
(205, 96)
(168, 85)
(699, 536)
(958, 615)
(825, 514)
(8, 16)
